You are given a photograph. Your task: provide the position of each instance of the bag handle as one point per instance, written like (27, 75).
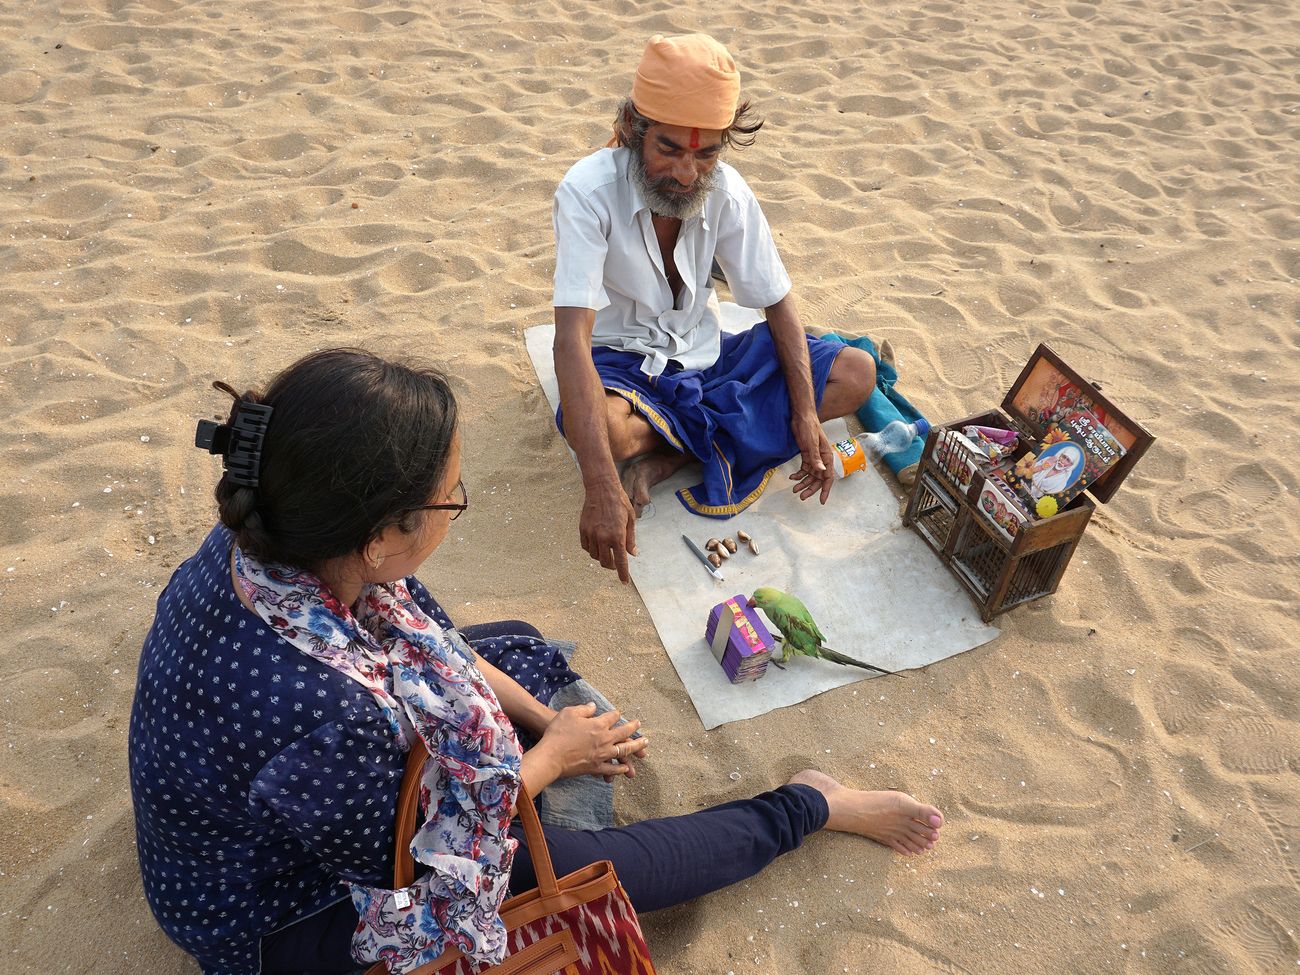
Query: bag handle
(408, 808)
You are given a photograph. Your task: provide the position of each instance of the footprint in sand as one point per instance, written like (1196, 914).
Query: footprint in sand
(74, 412)
(1254, 745)
(1206, 509)
(1186, 697)
(1236, 572)
(1264, 937)
(1253, 485)
(1197, 954)
(838, 309)
(1200, 646)
(1281, 817)
(1068, 208)
(966, 366)
(482, 130)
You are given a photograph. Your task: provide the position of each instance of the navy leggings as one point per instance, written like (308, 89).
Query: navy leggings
(660, 862)
(663, 862)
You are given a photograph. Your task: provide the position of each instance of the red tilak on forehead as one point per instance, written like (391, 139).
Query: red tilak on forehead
(695, 138)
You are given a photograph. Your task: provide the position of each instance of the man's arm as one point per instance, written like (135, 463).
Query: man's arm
(815, 475)
(757, 278)
(608, 524)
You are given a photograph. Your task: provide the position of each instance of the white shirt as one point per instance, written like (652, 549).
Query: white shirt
(607, 258)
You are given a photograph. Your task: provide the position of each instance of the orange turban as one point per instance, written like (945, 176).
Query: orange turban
(688, 80)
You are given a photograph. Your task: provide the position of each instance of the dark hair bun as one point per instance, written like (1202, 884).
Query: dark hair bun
(354, 444)
(237, 507)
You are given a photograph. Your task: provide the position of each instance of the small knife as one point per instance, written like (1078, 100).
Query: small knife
(699, 554)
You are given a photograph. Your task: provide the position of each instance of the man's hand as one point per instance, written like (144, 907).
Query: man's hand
(815, 474)
(607, 528)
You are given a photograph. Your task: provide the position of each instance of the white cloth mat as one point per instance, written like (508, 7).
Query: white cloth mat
(875, 589)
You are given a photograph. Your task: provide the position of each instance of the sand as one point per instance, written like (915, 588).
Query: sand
(194, 191)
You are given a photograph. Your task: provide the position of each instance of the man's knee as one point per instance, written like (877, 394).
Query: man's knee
(630, 433)
(852, 379)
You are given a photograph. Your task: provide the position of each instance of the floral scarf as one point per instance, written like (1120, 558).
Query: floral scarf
(425, 680)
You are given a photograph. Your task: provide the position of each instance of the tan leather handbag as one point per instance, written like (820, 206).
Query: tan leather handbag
(579, 924)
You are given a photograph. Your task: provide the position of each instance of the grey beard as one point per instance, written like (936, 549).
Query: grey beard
(658, 195)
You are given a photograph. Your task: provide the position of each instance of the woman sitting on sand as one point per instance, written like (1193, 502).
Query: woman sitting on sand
(295, 657)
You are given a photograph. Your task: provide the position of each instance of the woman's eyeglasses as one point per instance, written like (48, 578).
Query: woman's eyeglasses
(449, 505)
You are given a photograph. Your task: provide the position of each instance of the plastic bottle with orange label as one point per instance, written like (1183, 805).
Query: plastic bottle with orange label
(850, 456)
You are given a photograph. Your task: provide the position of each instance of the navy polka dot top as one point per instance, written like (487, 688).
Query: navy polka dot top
(260, 777)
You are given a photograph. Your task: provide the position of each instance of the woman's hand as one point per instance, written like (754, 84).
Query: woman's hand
(580, 742)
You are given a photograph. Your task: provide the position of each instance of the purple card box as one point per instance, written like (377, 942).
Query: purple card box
(741, 660)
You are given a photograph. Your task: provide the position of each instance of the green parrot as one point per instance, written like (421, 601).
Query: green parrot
(799, 634)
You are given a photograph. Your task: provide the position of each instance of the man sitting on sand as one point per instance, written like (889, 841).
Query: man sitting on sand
(645, 373)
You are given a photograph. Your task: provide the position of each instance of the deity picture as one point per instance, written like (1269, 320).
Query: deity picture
(1056, 469)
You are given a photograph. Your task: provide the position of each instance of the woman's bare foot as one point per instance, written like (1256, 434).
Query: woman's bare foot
(644, 472)
(893, 819)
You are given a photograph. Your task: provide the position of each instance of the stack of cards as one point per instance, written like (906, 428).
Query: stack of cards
(738, 638)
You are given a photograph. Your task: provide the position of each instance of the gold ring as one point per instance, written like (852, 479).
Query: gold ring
(618, 750)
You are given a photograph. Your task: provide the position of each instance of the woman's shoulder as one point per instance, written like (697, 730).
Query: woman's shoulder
(210, 665)
(199, 592)
(205, 574)
(202, 628)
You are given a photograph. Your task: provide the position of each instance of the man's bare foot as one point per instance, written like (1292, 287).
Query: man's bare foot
(644, 472)
(887, 354)
(893, 819)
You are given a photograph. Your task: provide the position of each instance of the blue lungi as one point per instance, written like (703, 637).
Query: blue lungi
(734, 417)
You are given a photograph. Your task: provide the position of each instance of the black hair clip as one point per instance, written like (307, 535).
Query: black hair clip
(239, 440)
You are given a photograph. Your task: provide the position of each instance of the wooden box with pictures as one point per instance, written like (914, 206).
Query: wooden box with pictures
(1004, 496)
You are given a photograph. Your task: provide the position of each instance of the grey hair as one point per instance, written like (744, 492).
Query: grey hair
(631, 126)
